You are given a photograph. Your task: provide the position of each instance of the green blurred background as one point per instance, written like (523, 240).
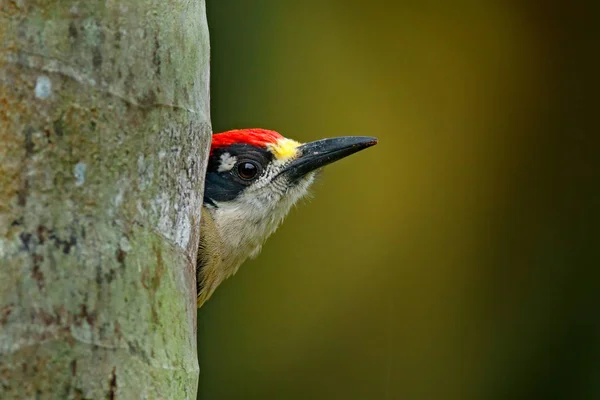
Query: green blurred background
(457, 259)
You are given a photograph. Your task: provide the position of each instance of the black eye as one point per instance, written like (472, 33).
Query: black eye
(247, 170)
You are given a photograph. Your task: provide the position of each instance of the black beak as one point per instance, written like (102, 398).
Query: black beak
(318, 154)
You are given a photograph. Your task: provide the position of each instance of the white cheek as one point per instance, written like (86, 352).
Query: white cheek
(246, 222)
(227, 161)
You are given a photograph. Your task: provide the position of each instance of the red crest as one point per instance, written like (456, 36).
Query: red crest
(255, 137)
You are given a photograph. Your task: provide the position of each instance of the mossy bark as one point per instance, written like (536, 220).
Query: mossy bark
(104, 132)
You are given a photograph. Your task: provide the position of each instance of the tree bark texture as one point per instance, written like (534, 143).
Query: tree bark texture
(104, 133)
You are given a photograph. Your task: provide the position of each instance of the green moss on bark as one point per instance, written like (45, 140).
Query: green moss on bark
(104, 129)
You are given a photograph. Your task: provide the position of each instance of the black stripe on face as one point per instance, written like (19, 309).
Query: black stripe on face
(227, 185)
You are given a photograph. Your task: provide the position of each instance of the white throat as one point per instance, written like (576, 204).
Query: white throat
(246, 222)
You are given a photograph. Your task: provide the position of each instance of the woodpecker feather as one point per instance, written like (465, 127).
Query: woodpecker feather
(253, 179)
(254, 137)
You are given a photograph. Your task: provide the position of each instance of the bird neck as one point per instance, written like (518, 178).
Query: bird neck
(230, 234)
(232, 231)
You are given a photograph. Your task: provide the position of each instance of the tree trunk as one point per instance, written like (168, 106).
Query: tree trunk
(104, 132)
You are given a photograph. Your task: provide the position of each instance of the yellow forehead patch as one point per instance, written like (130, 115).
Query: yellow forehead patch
(284, 149)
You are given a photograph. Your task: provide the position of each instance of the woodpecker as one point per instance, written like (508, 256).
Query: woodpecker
(253, 178)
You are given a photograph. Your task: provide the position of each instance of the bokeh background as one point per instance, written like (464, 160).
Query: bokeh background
(457, 259)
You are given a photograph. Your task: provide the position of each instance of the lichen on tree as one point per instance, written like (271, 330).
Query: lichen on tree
(104, 132)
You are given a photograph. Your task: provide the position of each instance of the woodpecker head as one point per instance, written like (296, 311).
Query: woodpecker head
(254, 177)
